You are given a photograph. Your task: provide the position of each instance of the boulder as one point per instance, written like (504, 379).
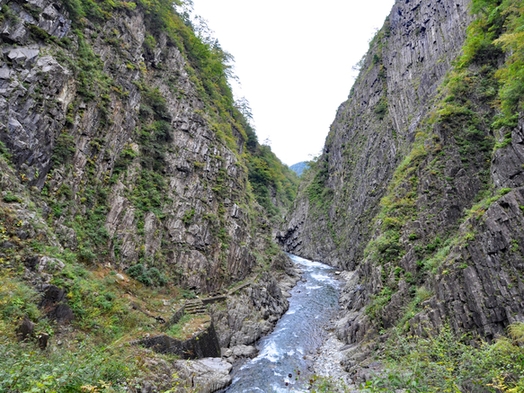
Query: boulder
(208, 374)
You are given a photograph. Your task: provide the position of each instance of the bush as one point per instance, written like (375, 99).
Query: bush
(149, 277)
(448, 363)
(9, 197)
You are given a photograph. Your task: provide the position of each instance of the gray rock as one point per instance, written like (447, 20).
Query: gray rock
(244, 351)
(25, 330)
(207, 375)
(406, 63)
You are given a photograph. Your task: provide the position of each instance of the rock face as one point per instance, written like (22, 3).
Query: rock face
(134, 155)
(204, 344)
(374, 130)
(419, 187)
(206, 375)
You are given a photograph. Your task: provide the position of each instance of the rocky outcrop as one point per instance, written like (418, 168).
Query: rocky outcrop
(122, 150)
(253, 310)
(374, 130)
(206, 375)
(204, 344)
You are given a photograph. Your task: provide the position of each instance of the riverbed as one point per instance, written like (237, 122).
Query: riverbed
(286, 356)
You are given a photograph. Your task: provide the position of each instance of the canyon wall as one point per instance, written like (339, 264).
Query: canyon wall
(418, 188)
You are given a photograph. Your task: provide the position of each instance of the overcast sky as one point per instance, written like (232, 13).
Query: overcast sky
(294, 61)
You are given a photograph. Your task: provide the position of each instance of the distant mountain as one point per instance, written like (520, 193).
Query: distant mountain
(299, 167)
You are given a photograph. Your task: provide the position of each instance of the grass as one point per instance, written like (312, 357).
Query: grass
(188, 326)
(110, 310)
(446, 362)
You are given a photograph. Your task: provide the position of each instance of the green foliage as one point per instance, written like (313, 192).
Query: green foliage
(147, 276)
(381, 108)
(149, 192)
(9, 197)
(7, 14)
(274, 184)
(318, 384)
(17, 300)
(188, 216)
(92, 354)
(97, 10)
(378, 302)
(154, 141)
(187, 326)
(94, 83)
(386, 247)
(4, 152)
(447, 363)
(24, 368)
(176, 329)
(431, 264)
(497, 33)
(153, 103)
(127, 155)
(64, 149)
(317, 191)
(478, 209)
(149, 42)
(92, 357)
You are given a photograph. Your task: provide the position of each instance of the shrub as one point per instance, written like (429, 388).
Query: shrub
(446, 362)
(149, 277)
(9, 197)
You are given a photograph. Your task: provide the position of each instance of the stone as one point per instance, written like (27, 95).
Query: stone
(209, 374)
(32, 262)
(52, 295)
(48, 264)
(203, 344)
(244, 351)
(7, 244)
(25, 330)
(23, 55)
(43, 340)
(61, 313)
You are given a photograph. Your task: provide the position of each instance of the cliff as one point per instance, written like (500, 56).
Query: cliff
(419, 186)
(129, 174)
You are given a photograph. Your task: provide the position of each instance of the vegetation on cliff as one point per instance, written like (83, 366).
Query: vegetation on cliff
(447, 363)
(479, 103)
(426, 203)
(142, 184)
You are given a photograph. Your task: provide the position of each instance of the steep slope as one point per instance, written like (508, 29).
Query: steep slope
(374, 130)
(419, 187)
(123, 152)
(125, 121)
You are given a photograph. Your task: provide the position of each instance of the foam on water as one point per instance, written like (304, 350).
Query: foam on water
(270, 352)
(299, 332)
(313, 287)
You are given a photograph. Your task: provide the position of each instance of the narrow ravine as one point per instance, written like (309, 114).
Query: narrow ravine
(286, 355)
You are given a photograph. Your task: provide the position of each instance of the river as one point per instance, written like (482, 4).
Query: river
(285, 356)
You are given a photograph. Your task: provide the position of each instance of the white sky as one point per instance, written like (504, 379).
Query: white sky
(294, 61)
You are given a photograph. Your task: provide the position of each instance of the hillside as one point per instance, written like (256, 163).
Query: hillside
(419, 187)
(130, 183)
(299, 167)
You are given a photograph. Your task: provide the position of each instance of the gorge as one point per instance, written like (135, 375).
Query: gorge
(137, 205)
